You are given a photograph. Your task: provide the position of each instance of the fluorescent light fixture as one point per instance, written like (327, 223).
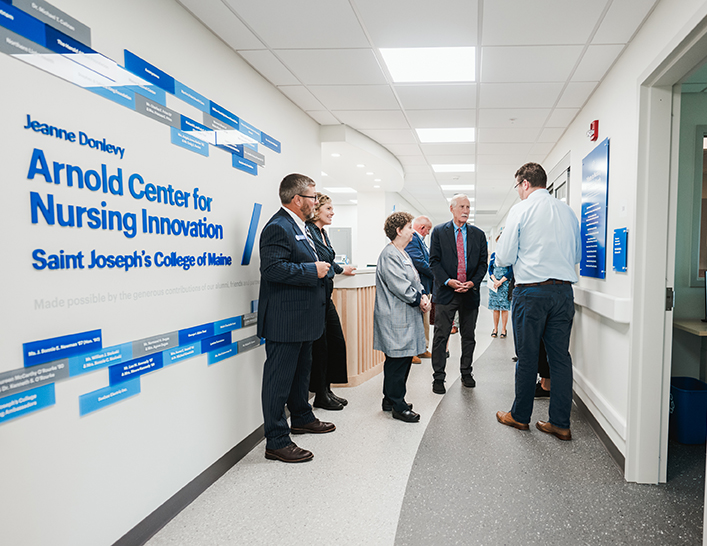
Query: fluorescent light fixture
(454, 168)
(431, 64)
(447, 134)
(340, 190)
(376, 179)
(324, 174)
(376, 187)
(360, 165)
(335, 155)
(354, 201)
(369, 174)
(457, 187)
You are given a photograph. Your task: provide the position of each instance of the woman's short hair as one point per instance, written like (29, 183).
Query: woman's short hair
(322, 199)
(397, 220)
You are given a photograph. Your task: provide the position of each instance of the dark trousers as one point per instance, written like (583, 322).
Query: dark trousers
(329, 355)
(285, 381)
(543, 313)
(543, 366)
(395, 377)
(444, 316)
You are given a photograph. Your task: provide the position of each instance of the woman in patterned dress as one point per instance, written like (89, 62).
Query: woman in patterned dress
(498, 300)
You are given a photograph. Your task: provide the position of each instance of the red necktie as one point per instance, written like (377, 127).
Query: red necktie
(461, 265)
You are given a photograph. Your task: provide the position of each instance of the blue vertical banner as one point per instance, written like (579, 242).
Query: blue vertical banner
(595, 194)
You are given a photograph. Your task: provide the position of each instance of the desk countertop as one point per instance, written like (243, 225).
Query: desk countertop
(692, 326)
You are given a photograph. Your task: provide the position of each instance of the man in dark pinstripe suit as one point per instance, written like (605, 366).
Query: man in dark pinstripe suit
(290, 317)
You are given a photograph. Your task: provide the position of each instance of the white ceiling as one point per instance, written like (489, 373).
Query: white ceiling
(537, 63)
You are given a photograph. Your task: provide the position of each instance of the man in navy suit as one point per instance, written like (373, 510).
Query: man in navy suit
(420, 256)
(290, 317)
(458, 259)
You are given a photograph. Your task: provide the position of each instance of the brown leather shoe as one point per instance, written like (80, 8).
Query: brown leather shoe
(315, 427)
(416, 360)
(289, 454)
(505, 418)
(561, 433)
(426, 354)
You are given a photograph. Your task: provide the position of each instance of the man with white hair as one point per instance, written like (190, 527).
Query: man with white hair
(420, 256)
(458, 259)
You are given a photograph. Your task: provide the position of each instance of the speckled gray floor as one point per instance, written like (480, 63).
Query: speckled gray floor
(475, 481)
(457, 477)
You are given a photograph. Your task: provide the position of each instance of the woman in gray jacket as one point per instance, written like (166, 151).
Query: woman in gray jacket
(397, 316)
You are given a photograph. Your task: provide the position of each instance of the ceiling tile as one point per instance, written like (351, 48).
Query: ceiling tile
(622, 21)
(508, 160)
(391, 136)
(519, 95)
(541, 22)
(455, 178)
(528, 64)
(576, 94)
(372, 119)
(270, 67)
(418, 169)
(319, 23)
(595, 62)
(495, 148)
(496, 171)
(513, 117)
(420, 23)
(427, 97)
(542, 148)
(461, 148)
(442, 118)
(355, 97)
(450, 159)
(301, 97)
(333, 66)
(410, 160)
(562, 117)
(323, 117)
(510, 134)
(551, 134)
(404, 149)
(223, 22)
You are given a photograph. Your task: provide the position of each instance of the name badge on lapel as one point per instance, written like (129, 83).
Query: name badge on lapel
(300, 237)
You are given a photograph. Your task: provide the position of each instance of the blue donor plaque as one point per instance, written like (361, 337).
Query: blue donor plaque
(595, 191)
(620, 243)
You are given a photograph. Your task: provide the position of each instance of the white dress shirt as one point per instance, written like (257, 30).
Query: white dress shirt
(541, 240)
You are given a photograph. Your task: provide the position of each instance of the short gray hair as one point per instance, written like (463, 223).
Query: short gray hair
(457, 197)
(293, 184)
(422, 219)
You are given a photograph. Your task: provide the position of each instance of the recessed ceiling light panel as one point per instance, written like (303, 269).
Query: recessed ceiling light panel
(454, 168)
(451, 134)
(431, 64)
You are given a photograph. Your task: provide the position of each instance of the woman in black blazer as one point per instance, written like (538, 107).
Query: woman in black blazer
(329, 351)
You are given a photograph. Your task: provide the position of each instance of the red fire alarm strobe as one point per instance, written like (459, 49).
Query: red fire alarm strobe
(593, 132)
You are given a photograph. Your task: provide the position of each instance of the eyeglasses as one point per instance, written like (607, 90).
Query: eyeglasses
(518, 184)
(308, 196)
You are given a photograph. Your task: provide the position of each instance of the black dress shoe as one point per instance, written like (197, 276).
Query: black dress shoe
(438, 387)
(408, 416)
(340, 400)
(289, 454)
(388, 406)
(315, 427)
(327, 402)
(468, 381)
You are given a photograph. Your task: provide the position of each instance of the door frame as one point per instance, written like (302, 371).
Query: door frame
(654, 261)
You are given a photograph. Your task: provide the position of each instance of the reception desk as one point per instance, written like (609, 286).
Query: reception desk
(354, 298)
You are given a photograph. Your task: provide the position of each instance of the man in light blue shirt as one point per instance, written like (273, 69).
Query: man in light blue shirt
(541, 241)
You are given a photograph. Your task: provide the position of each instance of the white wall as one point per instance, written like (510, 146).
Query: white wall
(600, 347)
(88, 480)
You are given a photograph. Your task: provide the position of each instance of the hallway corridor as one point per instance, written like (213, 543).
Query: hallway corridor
(457, 477)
